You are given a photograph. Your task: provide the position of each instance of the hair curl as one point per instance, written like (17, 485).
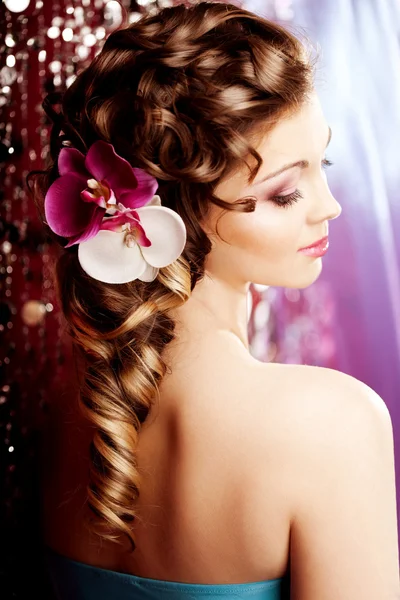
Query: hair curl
(179, 94)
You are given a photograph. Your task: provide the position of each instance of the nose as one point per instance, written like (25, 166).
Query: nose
(335, 209)
(325, 206)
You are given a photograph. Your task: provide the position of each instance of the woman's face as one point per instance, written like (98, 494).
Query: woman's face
(263, 246)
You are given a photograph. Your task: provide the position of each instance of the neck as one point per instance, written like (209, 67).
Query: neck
(219, 304)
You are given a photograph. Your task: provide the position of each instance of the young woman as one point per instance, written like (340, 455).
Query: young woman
(192, 162)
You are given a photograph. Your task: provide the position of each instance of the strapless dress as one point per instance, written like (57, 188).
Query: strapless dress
(74, 580)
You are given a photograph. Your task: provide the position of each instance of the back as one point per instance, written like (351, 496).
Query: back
(224, 496)
(206, 515)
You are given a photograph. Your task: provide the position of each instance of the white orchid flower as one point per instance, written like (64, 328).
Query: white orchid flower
(134, 243)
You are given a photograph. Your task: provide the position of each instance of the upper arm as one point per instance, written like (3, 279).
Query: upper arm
(343, 541)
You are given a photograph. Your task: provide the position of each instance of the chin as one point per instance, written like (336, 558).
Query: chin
(300, 279)
(306, 277)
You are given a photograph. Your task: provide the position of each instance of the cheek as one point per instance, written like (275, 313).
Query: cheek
(269, 231)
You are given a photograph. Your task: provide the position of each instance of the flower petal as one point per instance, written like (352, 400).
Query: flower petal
(89, 197)
(115, 223)
(70, 160)
(155, 201)
(167, 233)
(135, 186)
(143, 194)
(90, 231)
(142, 239)
(66, 213)
(149, 274)
(106, 258)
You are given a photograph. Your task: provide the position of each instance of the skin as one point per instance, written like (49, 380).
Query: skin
(262, 246)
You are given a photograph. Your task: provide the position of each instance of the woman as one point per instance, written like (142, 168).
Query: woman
(192, 163)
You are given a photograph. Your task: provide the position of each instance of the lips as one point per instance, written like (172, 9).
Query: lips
(320, 242)
(316, 250)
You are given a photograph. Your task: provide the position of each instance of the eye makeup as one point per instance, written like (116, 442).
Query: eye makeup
(287, 200)
(285, 194)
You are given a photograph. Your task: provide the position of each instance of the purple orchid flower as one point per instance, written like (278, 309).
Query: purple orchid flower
(91, 187)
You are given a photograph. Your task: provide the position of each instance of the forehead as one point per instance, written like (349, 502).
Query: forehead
(295, 136)
(300, 136)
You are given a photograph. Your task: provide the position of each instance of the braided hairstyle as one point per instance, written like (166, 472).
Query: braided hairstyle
(179, 94)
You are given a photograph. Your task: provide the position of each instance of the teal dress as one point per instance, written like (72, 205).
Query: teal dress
(74, 580)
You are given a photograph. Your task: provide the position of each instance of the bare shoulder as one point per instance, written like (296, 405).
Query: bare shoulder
(322, 393)
(317, 406)
(301, 406)
(300, 398)
(338, 465)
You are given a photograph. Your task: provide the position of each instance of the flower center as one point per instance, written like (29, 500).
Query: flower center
(131, 235)
(100, 189)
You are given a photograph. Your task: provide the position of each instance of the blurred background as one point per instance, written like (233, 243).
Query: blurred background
(348, 320)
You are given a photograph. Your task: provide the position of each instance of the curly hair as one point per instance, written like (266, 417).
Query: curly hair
(179, 94)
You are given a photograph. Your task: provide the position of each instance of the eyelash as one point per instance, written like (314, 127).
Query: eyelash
(287, 201)
(290, 199)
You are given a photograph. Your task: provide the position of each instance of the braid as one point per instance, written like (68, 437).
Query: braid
(123, 369)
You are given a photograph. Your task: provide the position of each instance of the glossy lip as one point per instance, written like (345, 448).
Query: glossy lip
(320, 242)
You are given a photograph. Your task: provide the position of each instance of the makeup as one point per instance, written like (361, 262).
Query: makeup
(318, 249)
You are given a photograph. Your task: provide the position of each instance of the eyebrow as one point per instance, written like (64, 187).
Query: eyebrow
(300, 163)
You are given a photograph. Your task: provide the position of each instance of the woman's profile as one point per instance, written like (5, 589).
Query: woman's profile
(191, 164)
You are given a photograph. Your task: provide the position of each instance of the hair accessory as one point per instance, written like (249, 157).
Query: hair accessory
(109, 208)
